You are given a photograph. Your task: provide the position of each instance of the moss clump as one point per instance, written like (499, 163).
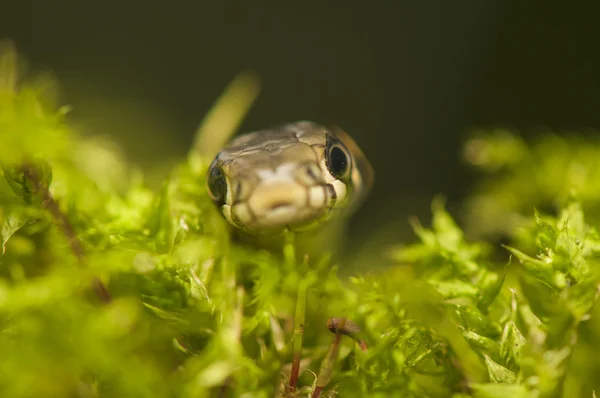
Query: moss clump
(109, 289)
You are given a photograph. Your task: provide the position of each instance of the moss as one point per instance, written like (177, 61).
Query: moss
(109, 289)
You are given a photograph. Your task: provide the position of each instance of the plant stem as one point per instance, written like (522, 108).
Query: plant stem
(326, 370)
(63, 223)
(298, 334)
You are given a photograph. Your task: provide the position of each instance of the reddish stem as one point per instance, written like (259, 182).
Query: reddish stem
(61, 220)
(317, 392)
(295, 374)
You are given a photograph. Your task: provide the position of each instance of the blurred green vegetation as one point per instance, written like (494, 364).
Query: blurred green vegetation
(192, 314)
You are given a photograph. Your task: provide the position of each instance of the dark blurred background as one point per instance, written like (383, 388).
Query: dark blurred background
(407, 80)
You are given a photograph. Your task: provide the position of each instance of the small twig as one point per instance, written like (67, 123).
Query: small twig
(299, 320)
(326, 370)
(63, 223)
(341, 327)
(317, 392)
(101, 290)
(50, 204)
(347, 328)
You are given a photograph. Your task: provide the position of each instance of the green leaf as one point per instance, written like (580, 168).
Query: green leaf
(447, 232)
(547, 234)
(542, 270)
(512, 343)
(489, 288)
(454, 288)
(501, 391)
(11, 224)
(498, 373)
(482, 344)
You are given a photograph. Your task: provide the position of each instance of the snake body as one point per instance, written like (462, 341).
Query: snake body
(293, 177)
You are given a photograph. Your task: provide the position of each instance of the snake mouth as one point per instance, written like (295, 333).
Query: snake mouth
(282, 215)
(285, 218)
(274, 207)
(280, 205)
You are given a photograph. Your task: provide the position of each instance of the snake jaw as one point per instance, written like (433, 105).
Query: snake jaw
(280, 205)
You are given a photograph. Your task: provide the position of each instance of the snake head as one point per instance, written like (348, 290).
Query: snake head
(291, 177)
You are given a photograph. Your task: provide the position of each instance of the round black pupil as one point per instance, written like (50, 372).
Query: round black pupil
(338, 161)
(216, 184)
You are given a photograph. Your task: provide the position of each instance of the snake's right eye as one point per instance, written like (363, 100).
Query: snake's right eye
(217, 186)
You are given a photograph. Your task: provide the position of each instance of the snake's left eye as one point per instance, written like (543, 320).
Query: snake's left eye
(217, 186)
(337, 158)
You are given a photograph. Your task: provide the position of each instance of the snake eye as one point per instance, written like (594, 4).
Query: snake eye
(217, 186)
(338, 159)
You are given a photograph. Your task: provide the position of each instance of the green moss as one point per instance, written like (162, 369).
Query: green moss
(192, 314)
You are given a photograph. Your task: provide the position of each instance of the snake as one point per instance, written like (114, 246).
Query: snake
(290, 177)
